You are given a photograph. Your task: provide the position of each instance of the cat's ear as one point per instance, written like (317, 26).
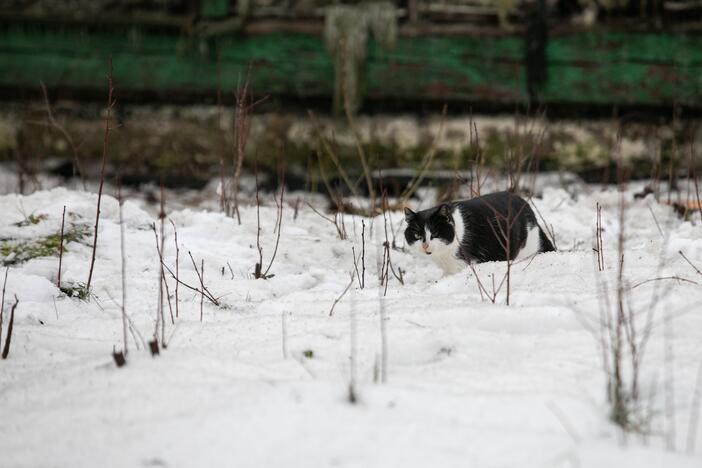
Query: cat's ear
(409, 214)
(445, 212)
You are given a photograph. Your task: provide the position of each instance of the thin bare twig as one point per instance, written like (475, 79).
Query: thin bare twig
(8, 338)
(124, 268)
(177, 263)
(335, 222)
(676, 278)
(2, 302)
(201, 278)
(110, 104)
(202, 285)
(336, 301)
(426, 162)
(53, 123)
(279, 222)
(690, 263)
(63, 219)
(204, 291)
(361, 153)
(332, 156)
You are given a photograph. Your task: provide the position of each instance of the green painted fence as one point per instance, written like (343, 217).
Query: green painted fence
(593, 67)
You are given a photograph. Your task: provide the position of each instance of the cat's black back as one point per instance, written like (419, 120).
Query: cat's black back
(491, 219)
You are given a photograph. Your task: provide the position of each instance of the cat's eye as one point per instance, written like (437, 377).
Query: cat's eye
(417, 236)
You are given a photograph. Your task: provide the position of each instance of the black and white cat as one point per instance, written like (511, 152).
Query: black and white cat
(461, 232)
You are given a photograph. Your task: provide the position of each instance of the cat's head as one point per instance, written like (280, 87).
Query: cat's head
(429, 231)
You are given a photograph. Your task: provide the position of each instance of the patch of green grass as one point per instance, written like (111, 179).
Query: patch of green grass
(31, 219)
(14, 252)
(76, 290)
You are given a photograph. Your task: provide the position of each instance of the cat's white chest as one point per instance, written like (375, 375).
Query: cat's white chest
(448, 261)
(445, 256)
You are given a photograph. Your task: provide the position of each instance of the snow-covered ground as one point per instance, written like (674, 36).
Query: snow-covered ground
(263, 379)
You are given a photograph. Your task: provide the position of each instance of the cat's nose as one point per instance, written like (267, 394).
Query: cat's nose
(425, 246)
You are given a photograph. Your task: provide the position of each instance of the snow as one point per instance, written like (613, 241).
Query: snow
(469, 382)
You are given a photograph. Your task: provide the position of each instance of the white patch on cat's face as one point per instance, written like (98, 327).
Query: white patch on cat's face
(430, 246)
(436, 246)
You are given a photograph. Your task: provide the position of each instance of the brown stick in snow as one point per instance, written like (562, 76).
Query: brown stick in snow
(53, 123)
(8, 338)
(110, 104)
(2, 302)
(202, 284)
(63, 219)
(124, 271)
(177, 264)
(343, 293)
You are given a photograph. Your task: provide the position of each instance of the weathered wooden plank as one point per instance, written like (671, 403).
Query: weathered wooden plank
(214, 8)
(586, 67)
(463, 68)
(601, 47)
(624, 84)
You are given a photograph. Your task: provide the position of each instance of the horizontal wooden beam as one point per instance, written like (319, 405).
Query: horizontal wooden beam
(617, 68)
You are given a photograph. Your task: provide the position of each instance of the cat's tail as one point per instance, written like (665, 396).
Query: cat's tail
(546, 245)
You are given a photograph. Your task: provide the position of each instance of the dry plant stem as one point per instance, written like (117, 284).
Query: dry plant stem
(63, 220)
(549, 227)
(110, 104)
(690, 263)
(136, 335)
(10, 325)
(343, 293)
(675, 278)
(279, 222)
(330, 153)
(363, 254)
(223, 192)
(598, 234)
(53, 123)
(355, 265)
(202, 285)
(426, 162)
(159, 304)
(162, 217)
(177, 264)
(671, 169)
(124, 270)
(505, 235)
(492, 296)
(332, 221)
(481, 288)
(240, 129)
(361, 153)
(478, 162)
(2, 302)
(336, 198)
(655, 220)
(297, 208)
(208, 295)
(259, 265)
(204, 291)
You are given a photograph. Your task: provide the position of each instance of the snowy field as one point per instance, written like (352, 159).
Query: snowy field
(263, 379)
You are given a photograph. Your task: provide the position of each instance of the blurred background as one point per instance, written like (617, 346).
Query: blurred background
(440, 86)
